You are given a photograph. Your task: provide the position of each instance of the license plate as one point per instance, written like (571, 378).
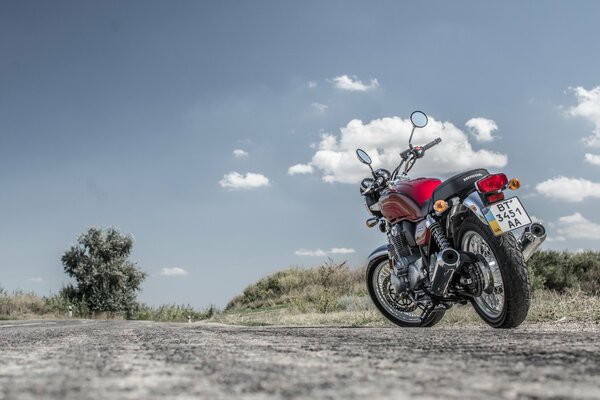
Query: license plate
(507, 215)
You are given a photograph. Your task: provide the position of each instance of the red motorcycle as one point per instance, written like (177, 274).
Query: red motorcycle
(448, 242)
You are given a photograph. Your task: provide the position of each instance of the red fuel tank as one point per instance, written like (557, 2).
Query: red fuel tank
(404, 201)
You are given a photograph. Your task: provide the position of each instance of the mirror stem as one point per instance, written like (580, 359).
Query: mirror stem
(372, 172)
(410, 139)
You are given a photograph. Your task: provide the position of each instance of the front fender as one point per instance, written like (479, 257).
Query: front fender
(378, 252)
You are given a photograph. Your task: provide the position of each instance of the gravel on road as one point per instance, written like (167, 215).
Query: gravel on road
(143, 360)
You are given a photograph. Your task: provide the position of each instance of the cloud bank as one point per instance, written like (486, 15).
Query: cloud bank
(239, 153)
(319, 107)
(300, 169)
(237, 181)
(573, 190)
(482, 129)
(353, 84)
(592, 159)
(322, 253)
(588, 107)
(173, 271)
(385, 138)
(576, 226)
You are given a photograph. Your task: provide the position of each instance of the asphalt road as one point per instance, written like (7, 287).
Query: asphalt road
(142, 360)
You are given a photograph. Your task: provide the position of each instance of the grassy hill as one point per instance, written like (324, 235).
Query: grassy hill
(566, 287)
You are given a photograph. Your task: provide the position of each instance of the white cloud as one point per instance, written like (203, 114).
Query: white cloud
(235, 180)
(37, 280)
(321, 253)
(173, 271)
(341, 250)
(588, 107)
(569, 189)
(239, 153)
(592, 159)
(353, 84)
(300, 169)
(482, 128)
(310, 253)
(319, 108)
(385, 138)
(576, 226)
(312, 84)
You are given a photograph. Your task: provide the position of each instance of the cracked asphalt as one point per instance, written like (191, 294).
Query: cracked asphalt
(143, 360)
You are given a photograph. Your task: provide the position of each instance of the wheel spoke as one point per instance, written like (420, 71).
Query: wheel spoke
(490, 303)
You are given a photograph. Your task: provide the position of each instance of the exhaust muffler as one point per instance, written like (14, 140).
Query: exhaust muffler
(446, 264)
(531, 239)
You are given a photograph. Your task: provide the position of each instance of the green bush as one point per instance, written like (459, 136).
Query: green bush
(560, 271)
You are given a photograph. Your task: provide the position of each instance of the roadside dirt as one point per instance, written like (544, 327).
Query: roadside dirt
(142, 360)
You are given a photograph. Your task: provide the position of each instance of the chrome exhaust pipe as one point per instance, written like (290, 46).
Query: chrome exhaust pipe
(445, 266)
(531, 239)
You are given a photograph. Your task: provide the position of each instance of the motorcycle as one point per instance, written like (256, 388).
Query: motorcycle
(447, 242)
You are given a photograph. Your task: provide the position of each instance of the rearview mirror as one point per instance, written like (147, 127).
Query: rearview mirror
(418, 119)
(363, 156)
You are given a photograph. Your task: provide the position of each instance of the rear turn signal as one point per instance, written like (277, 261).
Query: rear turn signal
(492, 183)
(440, 206)
(514, 184)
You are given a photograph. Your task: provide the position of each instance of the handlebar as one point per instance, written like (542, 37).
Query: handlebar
(432, 143)
(429, 145)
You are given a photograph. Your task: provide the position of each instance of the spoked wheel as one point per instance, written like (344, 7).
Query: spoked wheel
(397, 307)
(504, 302)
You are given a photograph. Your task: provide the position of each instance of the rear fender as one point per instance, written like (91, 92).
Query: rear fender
(474, 203)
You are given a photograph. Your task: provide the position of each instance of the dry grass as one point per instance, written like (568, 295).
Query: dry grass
(307, 290)
(21, 304)
(547, 306)
(336, 294)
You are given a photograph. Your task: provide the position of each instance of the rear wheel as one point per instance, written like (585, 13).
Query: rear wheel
(397, 307)
(505, 300)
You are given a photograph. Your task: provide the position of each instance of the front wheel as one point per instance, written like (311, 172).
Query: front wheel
(398, 308)
(505, 300)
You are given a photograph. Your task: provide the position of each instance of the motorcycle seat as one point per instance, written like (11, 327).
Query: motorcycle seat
(457, 185)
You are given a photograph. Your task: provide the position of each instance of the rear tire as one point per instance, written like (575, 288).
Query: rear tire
(515, 289)
(398, 317)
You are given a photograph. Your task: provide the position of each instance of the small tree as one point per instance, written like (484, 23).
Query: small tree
(106, 280)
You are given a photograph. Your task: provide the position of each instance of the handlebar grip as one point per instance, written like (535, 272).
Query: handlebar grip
(431, 144)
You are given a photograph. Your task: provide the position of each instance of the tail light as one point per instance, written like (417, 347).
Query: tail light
(492, 198)
(492, 183)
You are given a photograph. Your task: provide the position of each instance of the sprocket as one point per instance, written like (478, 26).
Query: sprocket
(473, 279)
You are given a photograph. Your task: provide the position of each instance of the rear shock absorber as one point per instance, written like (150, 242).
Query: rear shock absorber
(438, 233)
(448, 260)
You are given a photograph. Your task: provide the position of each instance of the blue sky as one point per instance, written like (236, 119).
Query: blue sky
(128, 114)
